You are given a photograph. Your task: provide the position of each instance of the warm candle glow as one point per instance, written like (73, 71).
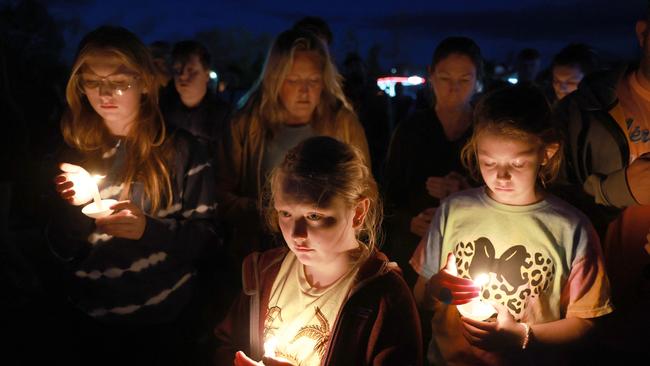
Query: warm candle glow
(482, 280)
(269, 347)
(477, 309)
(85, 187)
(99, 207)
(95, 189)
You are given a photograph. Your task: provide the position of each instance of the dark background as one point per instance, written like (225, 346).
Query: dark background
(38, 39)
(406, 31)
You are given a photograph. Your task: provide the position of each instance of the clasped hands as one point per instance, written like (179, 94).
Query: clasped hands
(441, 187)
(438, 187)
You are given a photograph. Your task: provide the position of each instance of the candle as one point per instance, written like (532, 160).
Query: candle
(95, 190)
(99, 207)
(85, 186)
(477, 309)
(482, 280)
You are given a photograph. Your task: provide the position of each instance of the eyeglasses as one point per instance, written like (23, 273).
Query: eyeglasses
(116, 85)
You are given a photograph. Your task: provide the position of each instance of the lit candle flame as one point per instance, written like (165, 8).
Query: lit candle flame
(269, 350)
(478, 309)
(482, 280)
(85, 186)
(95, 190)
(270, 346)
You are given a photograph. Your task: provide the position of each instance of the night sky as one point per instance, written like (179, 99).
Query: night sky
(407, 30)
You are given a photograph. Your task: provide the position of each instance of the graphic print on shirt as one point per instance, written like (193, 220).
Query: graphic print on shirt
(636, 133)
(515, 275)
(274, 312)
(318, 334)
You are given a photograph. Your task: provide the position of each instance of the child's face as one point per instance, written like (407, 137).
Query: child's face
(509, 168)
(318, 236)
(112, 90)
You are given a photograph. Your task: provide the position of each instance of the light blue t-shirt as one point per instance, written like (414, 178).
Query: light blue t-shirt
(543, 260)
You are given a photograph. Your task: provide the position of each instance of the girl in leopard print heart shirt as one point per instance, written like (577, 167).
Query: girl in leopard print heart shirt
(542, 258)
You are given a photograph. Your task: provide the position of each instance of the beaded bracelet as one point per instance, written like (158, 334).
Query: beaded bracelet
(527, 336)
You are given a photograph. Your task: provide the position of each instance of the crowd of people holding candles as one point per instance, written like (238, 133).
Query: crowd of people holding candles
(505, 224)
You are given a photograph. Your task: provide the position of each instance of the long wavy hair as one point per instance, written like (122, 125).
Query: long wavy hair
(262, 102)
(83, 129)
(320, 169)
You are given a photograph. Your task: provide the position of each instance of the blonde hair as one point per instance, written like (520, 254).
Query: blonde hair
(262, 103)
(320, 169)
(520, 112)
(84, 130)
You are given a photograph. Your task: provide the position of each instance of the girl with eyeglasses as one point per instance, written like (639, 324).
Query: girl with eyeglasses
(130, 275)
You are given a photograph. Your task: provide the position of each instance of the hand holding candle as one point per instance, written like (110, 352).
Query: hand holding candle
(505, 333)
(447, 287)
(275, 361)
(75, 184)
(99, 207)
(478, 309)
(269, 359)
(242, 360)
(129, 221)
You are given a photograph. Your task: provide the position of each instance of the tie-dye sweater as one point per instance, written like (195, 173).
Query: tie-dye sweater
(138, 281)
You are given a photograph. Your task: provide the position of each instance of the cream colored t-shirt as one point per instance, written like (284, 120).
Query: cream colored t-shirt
(300, 318)
(543, 261)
